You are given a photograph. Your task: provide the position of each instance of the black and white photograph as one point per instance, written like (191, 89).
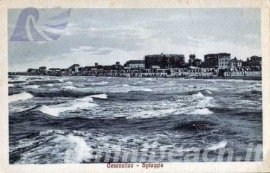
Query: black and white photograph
(123, 86)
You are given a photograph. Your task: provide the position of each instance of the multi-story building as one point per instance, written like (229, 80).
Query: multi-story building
(74, 68)
(197, 63)
(220, 60)
(253, 61)
(164, 61)
(235, 63)
(211, 61)
(224, 60)
(117, 66)
(32, 71)
(135, 64)
(42, 70)
(191, 59)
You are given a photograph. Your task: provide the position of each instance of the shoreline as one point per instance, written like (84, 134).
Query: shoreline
(257, 78)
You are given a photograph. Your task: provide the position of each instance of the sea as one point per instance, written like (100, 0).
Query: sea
(86, 119)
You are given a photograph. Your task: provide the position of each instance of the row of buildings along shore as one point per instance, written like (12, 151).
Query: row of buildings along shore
(164, 65)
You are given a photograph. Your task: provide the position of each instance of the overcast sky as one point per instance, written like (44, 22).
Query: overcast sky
(109, 35)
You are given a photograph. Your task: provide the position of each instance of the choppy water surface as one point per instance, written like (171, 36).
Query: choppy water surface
(64, 119)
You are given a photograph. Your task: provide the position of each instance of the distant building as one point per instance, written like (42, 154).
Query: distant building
(54, 71)
(74, 68)
(135, 64)
(235, 63)
(191, 59)
(42, 70)
(32, 71)
(64, 71)
(117, 66)
(164, 61)
(220, 60)
(224, 60)
(211, 61)
(197, 63)
(253, 61)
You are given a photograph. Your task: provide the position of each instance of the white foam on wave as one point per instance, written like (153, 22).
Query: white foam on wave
(86, 99)
(152, 113)
(203, 111)
(49, 85)
(11, 85)
(76, 149)
(60, 147)
(125, 85)
(199, 94)
(208, 92)
(141, 89)
(100, 83)
(19, 97)
(55, 110)
(100, 96)
(69, 82)
(216, 146)
(32, 86)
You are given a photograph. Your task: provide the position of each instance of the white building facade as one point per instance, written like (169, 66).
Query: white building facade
(224, 60)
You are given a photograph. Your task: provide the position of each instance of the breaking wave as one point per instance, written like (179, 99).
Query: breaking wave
(216, 146)
(56, 146)
(32, 86)
(77, 104)
(100, 96)
(203, 111)
(19, 97)
(140, 89)
(100, 83)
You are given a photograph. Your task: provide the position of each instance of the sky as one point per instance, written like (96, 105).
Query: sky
(109, 35)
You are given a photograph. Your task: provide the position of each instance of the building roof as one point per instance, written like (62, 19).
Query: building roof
(215, 54)
(224, 54)
(74, 65)
(135, 62)
(211, 54)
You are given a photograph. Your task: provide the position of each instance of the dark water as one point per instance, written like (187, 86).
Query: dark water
(67, 119)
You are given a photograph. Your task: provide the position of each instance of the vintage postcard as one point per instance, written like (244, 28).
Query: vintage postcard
(119, 86)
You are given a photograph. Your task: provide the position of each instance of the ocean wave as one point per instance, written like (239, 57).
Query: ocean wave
(52, 146)
(216, 146)
(208, 92)
(100, 83)
(77, 104)
(76, 93)
(11, 85)
(199, 94)
(69, 82)
(19, 97)
(135, 89)
(100, 96)
(203, 111)
(149, 114)
(32, 86)
(77, 149)
(41, 82)
(49, 85)
(195, 126)
(69, 87)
